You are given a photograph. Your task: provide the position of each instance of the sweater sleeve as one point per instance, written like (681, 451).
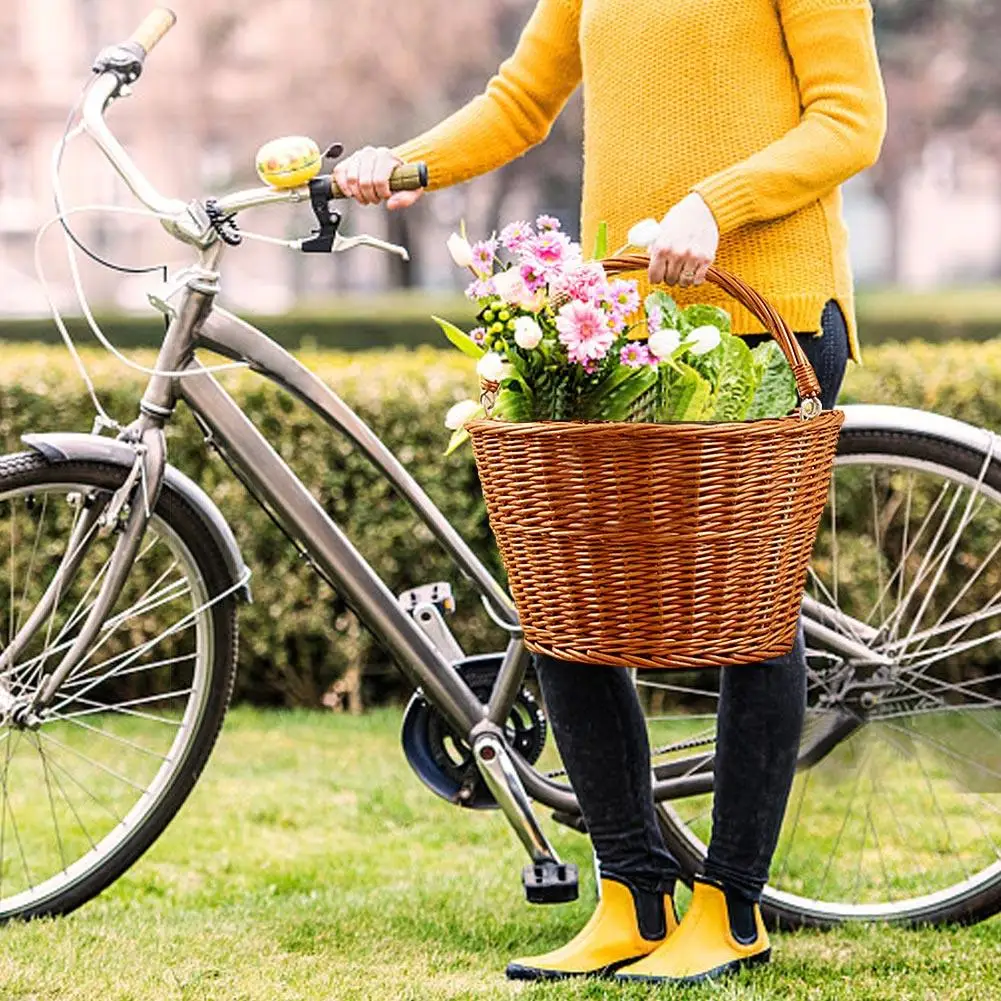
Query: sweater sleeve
(833, 51)
(518, 107)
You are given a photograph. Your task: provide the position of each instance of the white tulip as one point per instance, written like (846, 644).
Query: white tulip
(460, 413)
(644, 233)
(527, 333)
(704, 339)
(461, 251)
(663, 343)
(491, 367)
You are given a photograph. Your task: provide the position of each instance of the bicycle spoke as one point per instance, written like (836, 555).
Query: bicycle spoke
(101, 707)
(96, 764)
(8, 808)
(111, 736)
(844, 824)
(31, 566)
(52, 806)
(105, 707)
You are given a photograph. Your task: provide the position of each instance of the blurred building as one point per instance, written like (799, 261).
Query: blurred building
(235, 73)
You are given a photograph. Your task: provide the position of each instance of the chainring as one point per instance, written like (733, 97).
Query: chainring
(443, 760)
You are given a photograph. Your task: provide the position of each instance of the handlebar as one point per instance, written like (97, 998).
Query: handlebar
(122, 64)
(155, 25)
(406, 177)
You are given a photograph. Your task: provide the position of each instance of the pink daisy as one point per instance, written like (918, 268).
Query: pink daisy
(534, 275)
(478, 336)
(584, 331)
(580, 282)
(547, 222)
(654, 319)
(483, 256)
(636, 355)
(551, 250)
(480, 289)
(625, 296)
(514, 236)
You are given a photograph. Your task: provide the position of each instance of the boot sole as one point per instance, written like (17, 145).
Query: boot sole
(726, 970)
(515, 971)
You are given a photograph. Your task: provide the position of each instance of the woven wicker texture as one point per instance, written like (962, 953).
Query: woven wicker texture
(660, 545)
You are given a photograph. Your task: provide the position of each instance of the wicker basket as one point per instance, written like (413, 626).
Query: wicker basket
(662, 545)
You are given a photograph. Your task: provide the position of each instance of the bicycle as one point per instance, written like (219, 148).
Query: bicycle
(121, 583)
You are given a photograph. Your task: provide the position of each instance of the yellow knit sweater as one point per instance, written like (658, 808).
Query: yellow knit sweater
(764, 107)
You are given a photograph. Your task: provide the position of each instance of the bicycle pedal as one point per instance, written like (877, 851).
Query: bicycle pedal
(438, 594)
(550, 882)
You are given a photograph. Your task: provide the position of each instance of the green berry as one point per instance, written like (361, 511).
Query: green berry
(497, 329)
(504, 315)
(489, 316)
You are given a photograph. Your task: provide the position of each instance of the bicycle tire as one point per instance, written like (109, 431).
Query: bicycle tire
(27, 470)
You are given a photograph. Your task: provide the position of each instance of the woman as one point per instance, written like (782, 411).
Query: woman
(735, 121)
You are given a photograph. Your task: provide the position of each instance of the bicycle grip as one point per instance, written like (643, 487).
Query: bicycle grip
(155, 25)
(406, 177)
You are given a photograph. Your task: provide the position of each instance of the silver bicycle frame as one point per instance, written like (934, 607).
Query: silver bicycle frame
(199, 323)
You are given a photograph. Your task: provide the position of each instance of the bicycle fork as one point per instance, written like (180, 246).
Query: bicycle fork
(138, 495)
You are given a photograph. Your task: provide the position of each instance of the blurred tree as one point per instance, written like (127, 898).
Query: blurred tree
(974, 108)
(911, 35)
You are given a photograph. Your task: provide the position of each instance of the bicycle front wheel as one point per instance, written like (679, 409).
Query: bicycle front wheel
(87, 790)
(895, 814)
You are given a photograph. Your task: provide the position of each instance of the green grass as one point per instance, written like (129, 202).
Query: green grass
(311, 864)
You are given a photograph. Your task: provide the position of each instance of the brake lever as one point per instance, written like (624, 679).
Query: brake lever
(342, 243)
(327, 239)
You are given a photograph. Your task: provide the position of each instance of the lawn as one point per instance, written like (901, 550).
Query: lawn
(311, 864)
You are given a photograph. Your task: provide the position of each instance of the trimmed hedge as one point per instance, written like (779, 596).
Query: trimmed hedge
(297, 639)
(403, 321)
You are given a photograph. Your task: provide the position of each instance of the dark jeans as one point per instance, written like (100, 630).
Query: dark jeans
(601, 733)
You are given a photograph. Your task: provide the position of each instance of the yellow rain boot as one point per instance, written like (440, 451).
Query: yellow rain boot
(715, 938)
(628, 924)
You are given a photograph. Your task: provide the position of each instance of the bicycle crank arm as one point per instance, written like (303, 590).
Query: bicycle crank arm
(547, 880)
(151, 462)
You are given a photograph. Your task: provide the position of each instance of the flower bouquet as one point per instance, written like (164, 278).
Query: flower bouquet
(653, 488)
(559, 340)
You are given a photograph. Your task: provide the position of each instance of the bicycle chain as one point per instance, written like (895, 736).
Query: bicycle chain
(655, 752)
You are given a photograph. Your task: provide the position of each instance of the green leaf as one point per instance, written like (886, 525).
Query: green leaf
(590, 401)
(738, 380)
(512, 405)
(460, 338)
(458, 439)
(689, 396)
(669, 312)
(601, 242)
(616, 405)
(710, 365)
(776, 394)
(701, 315)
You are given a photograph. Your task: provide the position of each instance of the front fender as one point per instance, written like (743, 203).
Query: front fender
(71, 447)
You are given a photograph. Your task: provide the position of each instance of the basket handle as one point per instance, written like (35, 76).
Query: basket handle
(806, 379)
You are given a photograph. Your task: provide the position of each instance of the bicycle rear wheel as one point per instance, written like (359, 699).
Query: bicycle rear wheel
(86, 792)
(898, 816)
